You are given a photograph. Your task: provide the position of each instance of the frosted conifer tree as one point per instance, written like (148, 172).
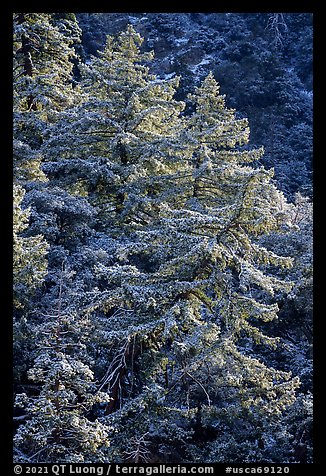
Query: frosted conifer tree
(42, 70)
(29, 271)
(29, 266)
(47, 340)
(56, 426)
(192, 311)
(42, 85)
(160, 333)
(113, 147)
(115, 150)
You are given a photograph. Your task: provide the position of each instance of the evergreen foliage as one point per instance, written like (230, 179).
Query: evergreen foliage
(56, 427)
(157, 333)
(263, 62)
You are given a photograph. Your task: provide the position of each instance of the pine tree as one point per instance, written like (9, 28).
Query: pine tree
(29, 271)
(295, 327)
(29, 266)
(44, 85)
(189, 306)
(118, 135)
(157, 340)
(123, 144)
(43, 61)
(42, 70)
(58, 426)
(220, 281)
(56, 404)
(41, 86)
